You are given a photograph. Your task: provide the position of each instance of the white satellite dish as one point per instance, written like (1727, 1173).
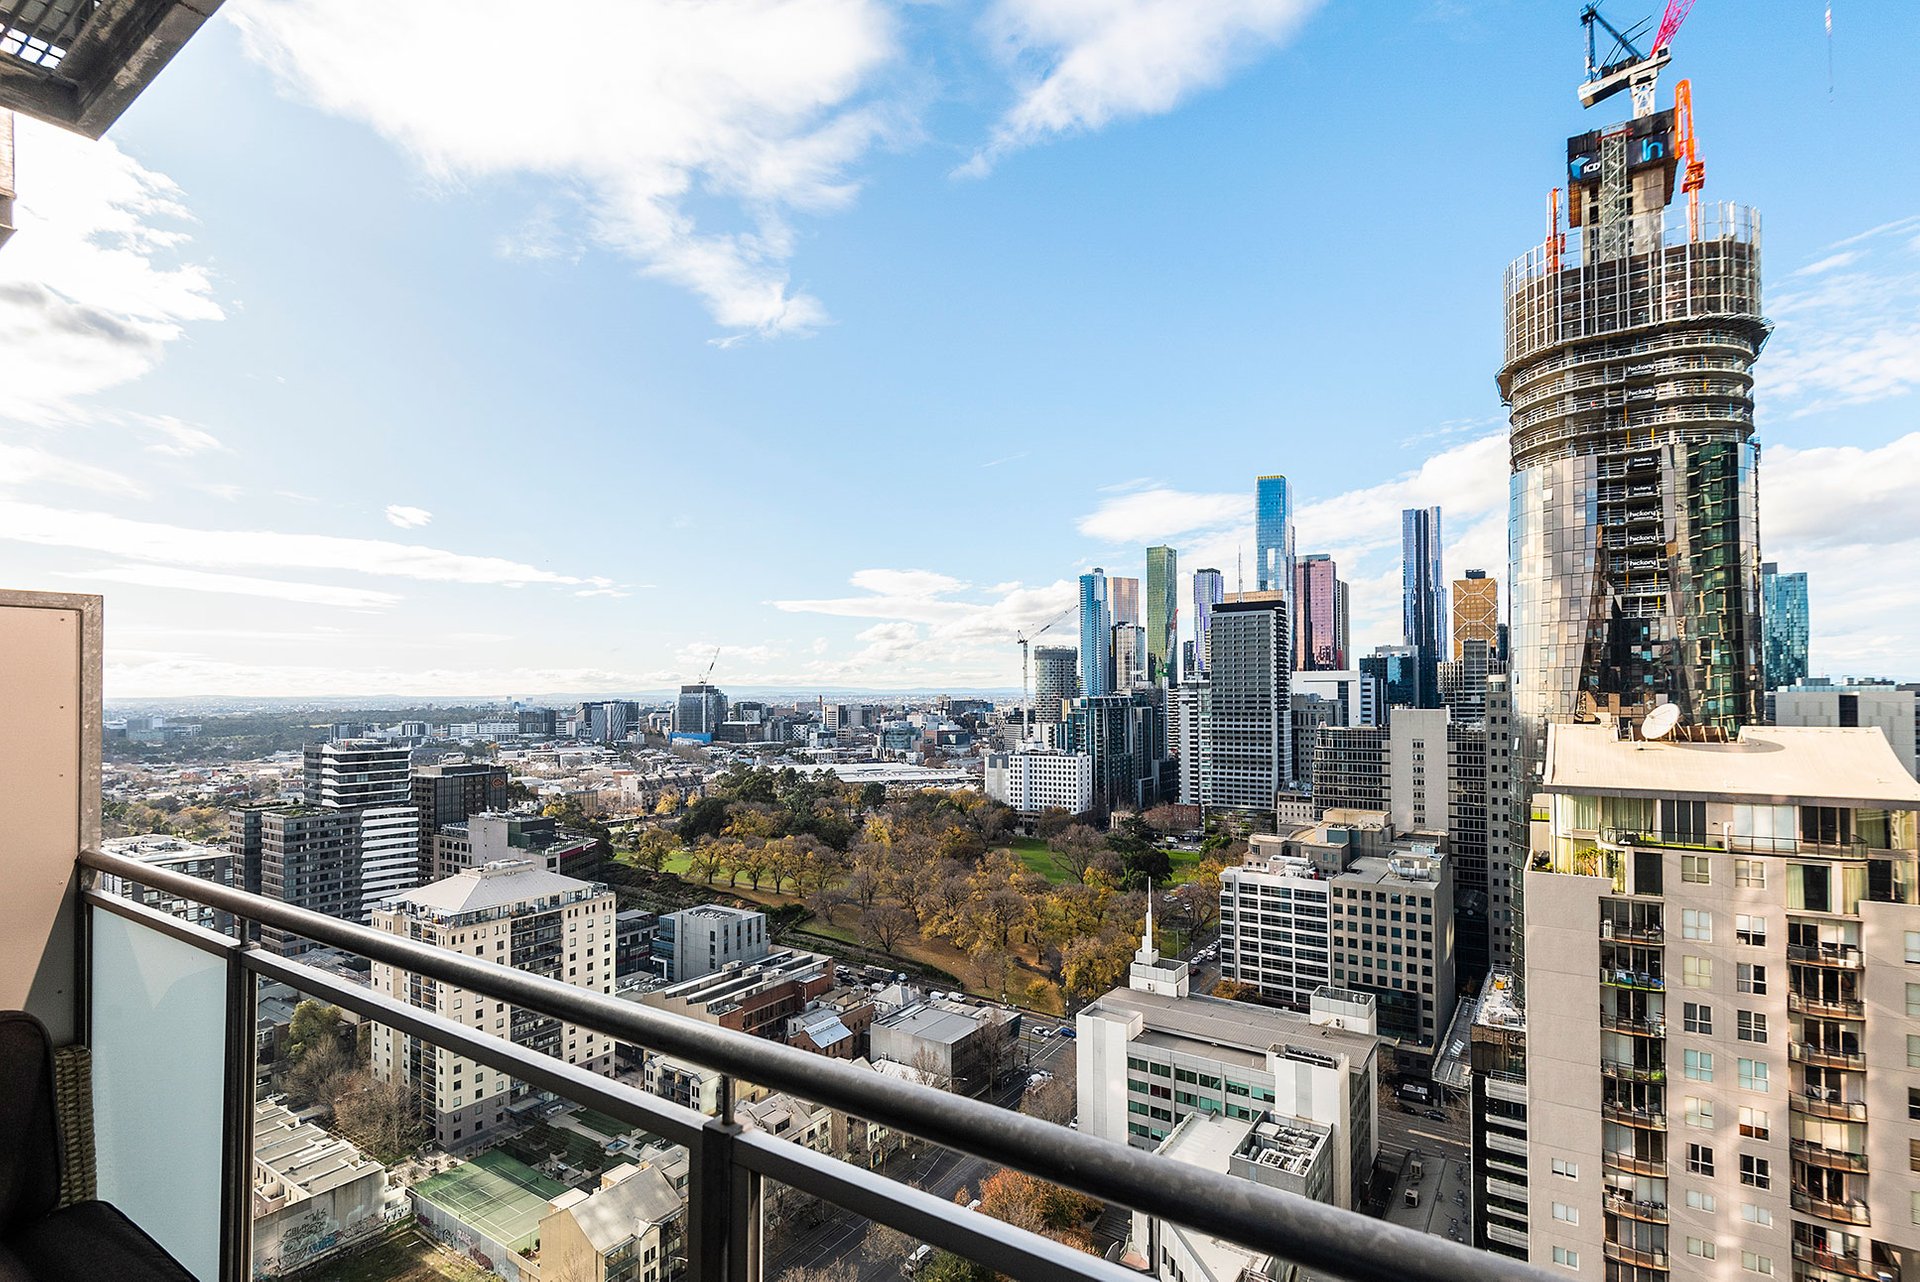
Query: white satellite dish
(1660, 722)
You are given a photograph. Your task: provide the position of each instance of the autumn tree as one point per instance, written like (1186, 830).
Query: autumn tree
(886, 924)
(381, 1117)
(1028, 1202)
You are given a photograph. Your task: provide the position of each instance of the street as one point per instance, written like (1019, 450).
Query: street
(942, 1172)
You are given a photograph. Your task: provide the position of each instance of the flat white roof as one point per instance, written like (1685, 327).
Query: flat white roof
(1781, 765)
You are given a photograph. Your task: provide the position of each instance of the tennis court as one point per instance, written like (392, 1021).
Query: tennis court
(496, 1195)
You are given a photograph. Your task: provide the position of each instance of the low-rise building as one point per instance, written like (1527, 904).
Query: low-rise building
(1288, 1154)
(698, 941)
(757, 997)
(174, 854)
(630, 1229)
(496, 836)
(1035, 779)
(314, 1193)
(959, 1046)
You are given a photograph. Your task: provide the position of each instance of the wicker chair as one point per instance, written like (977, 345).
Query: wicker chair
(43, 1237)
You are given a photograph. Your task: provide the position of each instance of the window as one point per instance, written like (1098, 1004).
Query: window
(1752, 1026)
(1700, 1159)
(1701, 1248)
(1913, 946)
(1913, 1000)
(1761, 1264)
(1699, 1065)
(1696, 972)
(1698, 1016)
(1694, 868)
(1913, 1103)
(1561, 1166)
(1913, 1206)
(1566, 1214)
(1701, 1200)
(1696, 923)
(1753, 1123)
(1756, 1172)
(1750, 929)
(1571, 1259)
(1750, 978)
(1699, 1111)
(1756, 1215)
(1753, 1075)
(1750, 872)
(1913, 1051)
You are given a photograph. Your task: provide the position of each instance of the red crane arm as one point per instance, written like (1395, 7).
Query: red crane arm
(1677, 11)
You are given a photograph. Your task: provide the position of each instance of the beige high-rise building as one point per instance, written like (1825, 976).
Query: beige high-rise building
(1723, 1007)
(1476, 612)
(514, 914)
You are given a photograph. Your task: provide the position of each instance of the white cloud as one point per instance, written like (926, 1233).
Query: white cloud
(1147, 516)
(262, 549)
(181, 440)
(92, 285)
(28, 467)
(407, 518)
(174, 579)
(1848, 332)
(1090, 62)
(643, 109)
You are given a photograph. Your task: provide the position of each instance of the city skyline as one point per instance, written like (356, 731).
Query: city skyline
(147, 457)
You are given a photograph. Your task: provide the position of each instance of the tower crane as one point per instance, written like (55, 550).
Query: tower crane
(1686, 150)
(1624, 66)
(1026, 697)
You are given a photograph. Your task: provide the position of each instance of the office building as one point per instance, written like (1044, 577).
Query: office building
(1055, 680)
(756, 997)
(517, 915)
(1096, 634)
(1129, 657)
(698, 941)
(1346, 903)
(1503, 765)
(1463, 681)
(610, 720)
(1357, 695)
(369, 778)
(1249, 710)
(1273, 535)
(1423, 598)
(493, 837)
(962, 1047)
(1163, 614)
(1289, 1154)
(1892, 709)
(1209, 590)
(447, 793)
(1152, 1054)
(1033, 780)
(1476, 612)
(1396, 669)
(1123, 600)
(1634, 571)
(1783, 610)
(1125, 737)
(699, 713)
(1748, 911)
(1317, 597)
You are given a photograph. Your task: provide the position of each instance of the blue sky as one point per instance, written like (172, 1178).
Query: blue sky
(840, 335)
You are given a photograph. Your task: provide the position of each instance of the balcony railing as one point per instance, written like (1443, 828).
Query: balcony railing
(1634, 1164)
(1651, 1118)
(1618, 978)
(1645, 1258)
(1631, 933)
(1825, 1056)
(1837, 956)
(728, 1166)
(1841, 1212)
(1829, 1107)
(1635, 1027)
(1828, 1007)
(1833, 1158)
(1835, 1262)
(1624, 1072)
(1649, 1212)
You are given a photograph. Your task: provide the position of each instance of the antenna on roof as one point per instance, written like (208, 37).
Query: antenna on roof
(1660, 722)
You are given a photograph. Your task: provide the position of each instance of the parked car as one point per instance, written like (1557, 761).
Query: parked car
(1435, 1115)
(1066, 1030)
(916, 1260)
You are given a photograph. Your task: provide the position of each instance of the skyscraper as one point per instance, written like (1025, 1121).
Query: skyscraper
(1316, 615)
(369, 779)
(699, 712)
(1209, 589)
(1476, 612)
(1783, 605)
(1123, 599)
(1163, 612)
(1055, 670)
(1249, 705)
(1272, 535)
(448, 794)
(1096, 634)
(1634, 560)
(1423, 598)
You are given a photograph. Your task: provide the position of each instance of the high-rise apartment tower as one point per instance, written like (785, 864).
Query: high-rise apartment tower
(1423, 597)
(1272, 535)
(1209, 590)
(1163, 610)
(1476, 612)
(1783, 600)
(1096, 634)
(1317, 593)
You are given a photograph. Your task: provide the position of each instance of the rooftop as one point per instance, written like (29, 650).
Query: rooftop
(625, 1209)
(505, 884)
(1781, 765)
(1220, 1025)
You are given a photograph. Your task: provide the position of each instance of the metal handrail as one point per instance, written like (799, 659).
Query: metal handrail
(1307, 1233)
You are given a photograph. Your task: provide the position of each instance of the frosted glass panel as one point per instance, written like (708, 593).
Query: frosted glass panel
(158, 1039)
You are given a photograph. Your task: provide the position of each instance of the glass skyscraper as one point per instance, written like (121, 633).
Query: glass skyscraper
(1317, 592)
(1096, 635)
(1783, 606)
(1273, 535)
(1209, 590)
(1163, 610)
(1423, 596)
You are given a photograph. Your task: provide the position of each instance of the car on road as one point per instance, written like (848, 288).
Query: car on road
(1066, 1030)
(1034, 1079)
(1435, 1115)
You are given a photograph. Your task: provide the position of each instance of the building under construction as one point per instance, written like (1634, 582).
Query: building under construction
(1630, 342)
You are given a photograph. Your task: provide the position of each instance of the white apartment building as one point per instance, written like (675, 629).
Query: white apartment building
(1894, 710)
(1033, 780)
(1186, 739)
(511, 914)
(370, 778)
(1742, 1100)
(1346, 904)
(1151, 1054)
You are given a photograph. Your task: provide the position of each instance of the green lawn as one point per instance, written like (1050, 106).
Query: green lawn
(1034, 854)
